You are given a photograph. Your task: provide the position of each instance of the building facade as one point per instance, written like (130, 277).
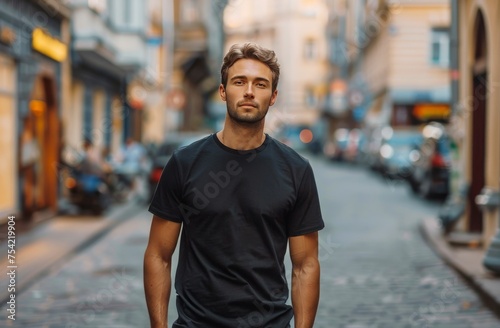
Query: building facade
(34, 61)
(396, 58)
(151, 86)
(197, 46)
(475, 124)
(295, 30)
(108, 49)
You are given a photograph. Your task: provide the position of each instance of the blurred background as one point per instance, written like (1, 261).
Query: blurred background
(96, 94)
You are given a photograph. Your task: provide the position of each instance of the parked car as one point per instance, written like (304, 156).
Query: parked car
(394, 153)
(290, 135)
(164, 151)
(430, 176)
(370, 150)
(344, 146)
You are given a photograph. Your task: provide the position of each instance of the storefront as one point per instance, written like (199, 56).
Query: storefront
(31, 57)
(98, 113)
(8, 164)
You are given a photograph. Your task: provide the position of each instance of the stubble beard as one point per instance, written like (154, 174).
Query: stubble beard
(247, 118)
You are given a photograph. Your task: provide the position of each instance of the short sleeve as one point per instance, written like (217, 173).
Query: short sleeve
(166, 202)
(305, 216)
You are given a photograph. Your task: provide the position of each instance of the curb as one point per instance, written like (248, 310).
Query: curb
(45, 265)
(484, 287)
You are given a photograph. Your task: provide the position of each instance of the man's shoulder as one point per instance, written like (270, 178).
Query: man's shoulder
(192, 147)
(288, 153)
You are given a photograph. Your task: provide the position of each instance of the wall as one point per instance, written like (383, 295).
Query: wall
(491, 11)
(410, 53)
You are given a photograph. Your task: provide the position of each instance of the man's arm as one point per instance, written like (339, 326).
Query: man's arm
(157, 266)
(305, 278)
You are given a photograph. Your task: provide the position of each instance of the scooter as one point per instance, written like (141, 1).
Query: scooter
(88, 192)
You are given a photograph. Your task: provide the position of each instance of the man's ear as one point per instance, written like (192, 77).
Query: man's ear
(222, 92)
(273, 97)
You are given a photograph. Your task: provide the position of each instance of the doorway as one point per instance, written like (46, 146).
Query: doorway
(479, 103)
(43, 107)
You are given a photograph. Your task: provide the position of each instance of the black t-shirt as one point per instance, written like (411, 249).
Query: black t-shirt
(238, 209)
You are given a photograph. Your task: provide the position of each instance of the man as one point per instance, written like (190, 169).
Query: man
(91, 162)
(240, 196)
(132, 166)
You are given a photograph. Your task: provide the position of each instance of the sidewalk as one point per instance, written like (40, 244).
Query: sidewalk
(49, 245)
(467, 261)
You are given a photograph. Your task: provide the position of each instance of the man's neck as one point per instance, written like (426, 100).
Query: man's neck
(241, 138)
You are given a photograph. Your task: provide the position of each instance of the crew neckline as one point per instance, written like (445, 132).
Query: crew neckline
(242, 152)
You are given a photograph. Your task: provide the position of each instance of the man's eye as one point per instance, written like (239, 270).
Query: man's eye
(238, 82)
(261, 85)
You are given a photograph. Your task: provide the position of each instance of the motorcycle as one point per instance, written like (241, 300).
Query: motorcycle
(86, 191)
(119, 185)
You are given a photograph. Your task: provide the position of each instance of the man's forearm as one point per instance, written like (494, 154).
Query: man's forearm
(157, 285)
(305, 293)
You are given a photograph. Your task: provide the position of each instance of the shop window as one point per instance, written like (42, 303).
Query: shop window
(401, 115)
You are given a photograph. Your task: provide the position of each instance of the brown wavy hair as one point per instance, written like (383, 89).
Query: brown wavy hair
(251, 50)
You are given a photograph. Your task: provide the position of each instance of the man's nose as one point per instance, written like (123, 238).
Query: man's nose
(249, 91)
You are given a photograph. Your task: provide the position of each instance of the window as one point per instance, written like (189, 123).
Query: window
(98, 5)
(310, 49)
(440, 47)
(127, 12)
(310, 98)
(401, 115)
(190, 11)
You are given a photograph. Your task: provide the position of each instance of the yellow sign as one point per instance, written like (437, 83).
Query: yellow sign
(431, 111)
(49, 46)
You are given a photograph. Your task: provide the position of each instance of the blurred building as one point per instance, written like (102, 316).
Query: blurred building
(34, 41)
(185, 40)
(197, 44)
(151, 87)
(475, 123)
(295, 30)
(390, 61)
(108, 49)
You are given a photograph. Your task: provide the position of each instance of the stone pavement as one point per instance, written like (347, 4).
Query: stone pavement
(467, 261)
(98, 287)
(377, 271)
(43, 248)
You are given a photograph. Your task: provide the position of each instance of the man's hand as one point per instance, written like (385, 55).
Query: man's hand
(157, 267)
(305, 278)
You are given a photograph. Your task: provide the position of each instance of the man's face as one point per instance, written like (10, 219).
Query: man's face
(248, 93)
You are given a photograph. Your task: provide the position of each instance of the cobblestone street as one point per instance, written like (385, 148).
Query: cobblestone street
(377, 271)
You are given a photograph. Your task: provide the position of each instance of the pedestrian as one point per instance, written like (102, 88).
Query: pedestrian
(240, 197)
(133, 165)
(91, 162)
(29, 166)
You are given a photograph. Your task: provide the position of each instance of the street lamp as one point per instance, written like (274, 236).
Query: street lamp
(489, 200)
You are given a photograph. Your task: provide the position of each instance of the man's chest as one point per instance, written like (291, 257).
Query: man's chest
(233, 188)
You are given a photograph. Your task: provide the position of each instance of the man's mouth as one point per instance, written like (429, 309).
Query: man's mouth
(248, 104)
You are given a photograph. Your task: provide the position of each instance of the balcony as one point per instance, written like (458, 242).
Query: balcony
(131, 50)
(191, 37)
(101, 44)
